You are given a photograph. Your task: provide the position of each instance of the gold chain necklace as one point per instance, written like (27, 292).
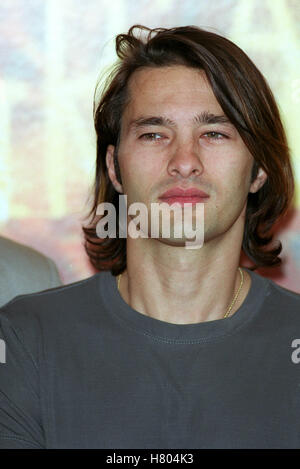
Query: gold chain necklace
(234, 298)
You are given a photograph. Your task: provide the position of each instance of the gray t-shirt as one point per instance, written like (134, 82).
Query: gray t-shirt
(85, 370)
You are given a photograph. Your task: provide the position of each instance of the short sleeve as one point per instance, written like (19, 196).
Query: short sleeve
(20, 415)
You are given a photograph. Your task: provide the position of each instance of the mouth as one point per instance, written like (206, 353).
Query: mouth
(182, 196)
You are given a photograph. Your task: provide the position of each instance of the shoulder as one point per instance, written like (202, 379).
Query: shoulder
(283, 292)
(51, 316)
(274, 289)
(286, 300)
(24, 270)
(280, 305)
(52, 304)
(12, 251)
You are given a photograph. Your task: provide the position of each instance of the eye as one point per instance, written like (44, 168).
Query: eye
(215, 135)
(152, 137)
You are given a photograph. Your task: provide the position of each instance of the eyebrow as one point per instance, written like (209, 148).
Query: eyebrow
(202, 118)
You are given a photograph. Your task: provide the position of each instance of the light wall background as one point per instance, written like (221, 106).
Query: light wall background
(51, 55)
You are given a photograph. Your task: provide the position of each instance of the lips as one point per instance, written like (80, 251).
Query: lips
(178, 192)
(184, 196)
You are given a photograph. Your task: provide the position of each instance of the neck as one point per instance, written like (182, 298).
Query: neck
(182, 286)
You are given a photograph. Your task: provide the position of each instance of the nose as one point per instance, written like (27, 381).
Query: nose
(185, 161)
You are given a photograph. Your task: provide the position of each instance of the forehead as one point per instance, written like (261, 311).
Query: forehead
(169, 88)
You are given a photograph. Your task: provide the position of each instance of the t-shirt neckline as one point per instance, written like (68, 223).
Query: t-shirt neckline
(183, 333)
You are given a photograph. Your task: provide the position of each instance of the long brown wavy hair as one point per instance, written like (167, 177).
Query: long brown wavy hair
(246, 100)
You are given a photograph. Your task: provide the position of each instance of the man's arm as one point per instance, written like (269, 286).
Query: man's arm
(20, 416)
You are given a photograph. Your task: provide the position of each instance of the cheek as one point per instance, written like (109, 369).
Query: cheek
(230, 180)
(136, 181)
(140, 172)
(238, 189)
(233, 166)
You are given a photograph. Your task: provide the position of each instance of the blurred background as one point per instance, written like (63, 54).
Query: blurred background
(52, 53)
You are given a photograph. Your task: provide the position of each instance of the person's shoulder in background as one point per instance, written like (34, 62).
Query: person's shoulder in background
(24, 270)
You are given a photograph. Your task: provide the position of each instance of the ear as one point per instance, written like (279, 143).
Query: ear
(259, 181)
(110, 164)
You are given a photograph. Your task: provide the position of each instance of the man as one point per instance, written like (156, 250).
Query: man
(24, 270)
(194, 351)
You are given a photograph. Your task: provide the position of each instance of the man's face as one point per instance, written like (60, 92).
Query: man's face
(170, 138)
